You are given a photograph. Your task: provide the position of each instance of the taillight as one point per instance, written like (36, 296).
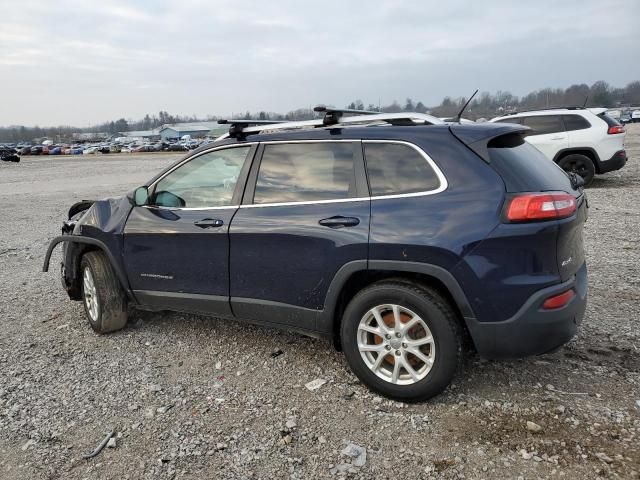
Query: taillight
(615, 129)
(529, 207)
(558, 301)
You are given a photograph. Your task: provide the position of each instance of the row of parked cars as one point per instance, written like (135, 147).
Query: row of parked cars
(87, 149)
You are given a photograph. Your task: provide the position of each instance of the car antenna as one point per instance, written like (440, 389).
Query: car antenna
(584, 105)
(459, 116)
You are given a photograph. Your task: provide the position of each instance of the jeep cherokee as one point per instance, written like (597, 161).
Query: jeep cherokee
(397, 236)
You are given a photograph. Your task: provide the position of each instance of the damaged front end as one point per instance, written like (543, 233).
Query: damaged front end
(90, 225)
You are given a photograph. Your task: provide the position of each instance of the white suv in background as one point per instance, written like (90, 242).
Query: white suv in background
(585, 141)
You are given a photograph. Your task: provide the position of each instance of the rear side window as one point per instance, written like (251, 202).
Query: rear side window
(395, 168)
(306, 172)
(524, 168)
(575, 122)
(544, 124)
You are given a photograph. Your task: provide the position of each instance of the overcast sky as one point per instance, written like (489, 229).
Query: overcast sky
(81, 62)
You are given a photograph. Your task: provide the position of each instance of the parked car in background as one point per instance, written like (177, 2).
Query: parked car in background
(177, 147)
(580, 140)
(397, 238)
(9, 154)
(37, 150)
(90, 150)
(625, 118)
(635, 116)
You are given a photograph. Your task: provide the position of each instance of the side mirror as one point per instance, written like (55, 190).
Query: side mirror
(141, 196)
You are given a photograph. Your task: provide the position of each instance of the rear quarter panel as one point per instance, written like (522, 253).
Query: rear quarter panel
(440, 229)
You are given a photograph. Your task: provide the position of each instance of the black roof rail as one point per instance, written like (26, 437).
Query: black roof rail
(573, 107)
(332, 116)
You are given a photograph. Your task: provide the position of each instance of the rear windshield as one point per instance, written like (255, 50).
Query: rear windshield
(524, 168)
(612, 122)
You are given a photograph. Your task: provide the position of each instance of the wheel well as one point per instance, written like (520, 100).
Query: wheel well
(362, 279)
(587, 153)
(74, 277)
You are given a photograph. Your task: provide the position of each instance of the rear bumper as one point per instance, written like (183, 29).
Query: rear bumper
(616, 162)
(532, 330)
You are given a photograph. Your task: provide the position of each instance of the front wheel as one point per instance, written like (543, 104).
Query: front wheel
(402, 340)
(580, 164)
(105, 303)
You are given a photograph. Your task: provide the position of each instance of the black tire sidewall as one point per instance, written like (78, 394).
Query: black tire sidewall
(86, 263)
(447, 342)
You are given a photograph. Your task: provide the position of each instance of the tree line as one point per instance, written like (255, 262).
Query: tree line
(484, 105)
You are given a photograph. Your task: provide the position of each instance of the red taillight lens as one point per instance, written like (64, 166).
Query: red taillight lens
(558, 301)
(615, 129)
(540, 206)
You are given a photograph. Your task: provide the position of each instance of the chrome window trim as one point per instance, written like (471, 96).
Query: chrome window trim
(442, 179)
(158, 207)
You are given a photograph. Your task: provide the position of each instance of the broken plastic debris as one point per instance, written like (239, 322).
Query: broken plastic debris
(315, 384)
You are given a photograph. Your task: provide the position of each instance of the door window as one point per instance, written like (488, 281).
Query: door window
(208, 180)
(306, 172)
(544, 124)
(510, 120)
(575, 122)
(395, 168)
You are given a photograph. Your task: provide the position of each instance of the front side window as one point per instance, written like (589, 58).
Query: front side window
(306, 172)
(544, 124)
(208, 180)
(510, 120)
(395, 168)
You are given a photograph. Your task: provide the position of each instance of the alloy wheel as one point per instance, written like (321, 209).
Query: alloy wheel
(90, 295)
(396, 344)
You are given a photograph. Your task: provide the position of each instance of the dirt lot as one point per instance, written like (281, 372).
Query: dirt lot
(195, 397)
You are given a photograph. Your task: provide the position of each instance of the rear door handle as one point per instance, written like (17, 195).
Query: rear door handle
(209, 223)
(339, 222)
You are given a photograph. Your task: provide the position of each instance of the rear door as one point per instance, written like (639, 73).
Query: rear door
(305, 214)
(548, 134)
(176, 249)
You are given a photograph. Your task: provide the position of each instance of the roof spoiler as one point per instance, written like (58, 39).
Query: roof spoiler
(477, 137)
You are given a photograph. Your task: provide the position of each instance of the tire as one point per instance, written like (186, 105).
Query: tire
(445, 350)
(104, 300)
(580, 164)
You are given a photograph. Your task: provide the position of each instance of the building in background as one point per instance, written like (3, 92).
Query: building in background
(178, 130)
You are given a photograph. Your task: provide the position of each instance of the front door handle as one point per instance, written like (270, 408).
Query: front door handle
(209, 223)
(339, 221)
(557, 138)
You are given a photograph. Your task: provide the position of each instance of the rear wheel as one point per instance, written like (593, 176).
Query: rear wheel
(105, 303)
(402, 340)
(579, 164)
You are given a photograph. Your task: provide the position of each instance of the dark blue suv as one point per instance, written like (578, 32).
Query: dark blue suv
(398, 236)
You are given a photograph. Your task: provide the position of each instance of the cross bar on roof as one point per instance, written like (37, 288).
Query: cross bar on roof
(332, 116)
(237, 125)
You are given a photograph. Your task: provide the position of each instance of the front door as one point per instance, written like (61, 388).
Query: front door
(307, 216)
(176, 249)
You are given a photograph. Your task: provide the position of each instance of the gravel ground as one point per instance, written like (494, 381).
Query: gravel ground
(195, 397)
